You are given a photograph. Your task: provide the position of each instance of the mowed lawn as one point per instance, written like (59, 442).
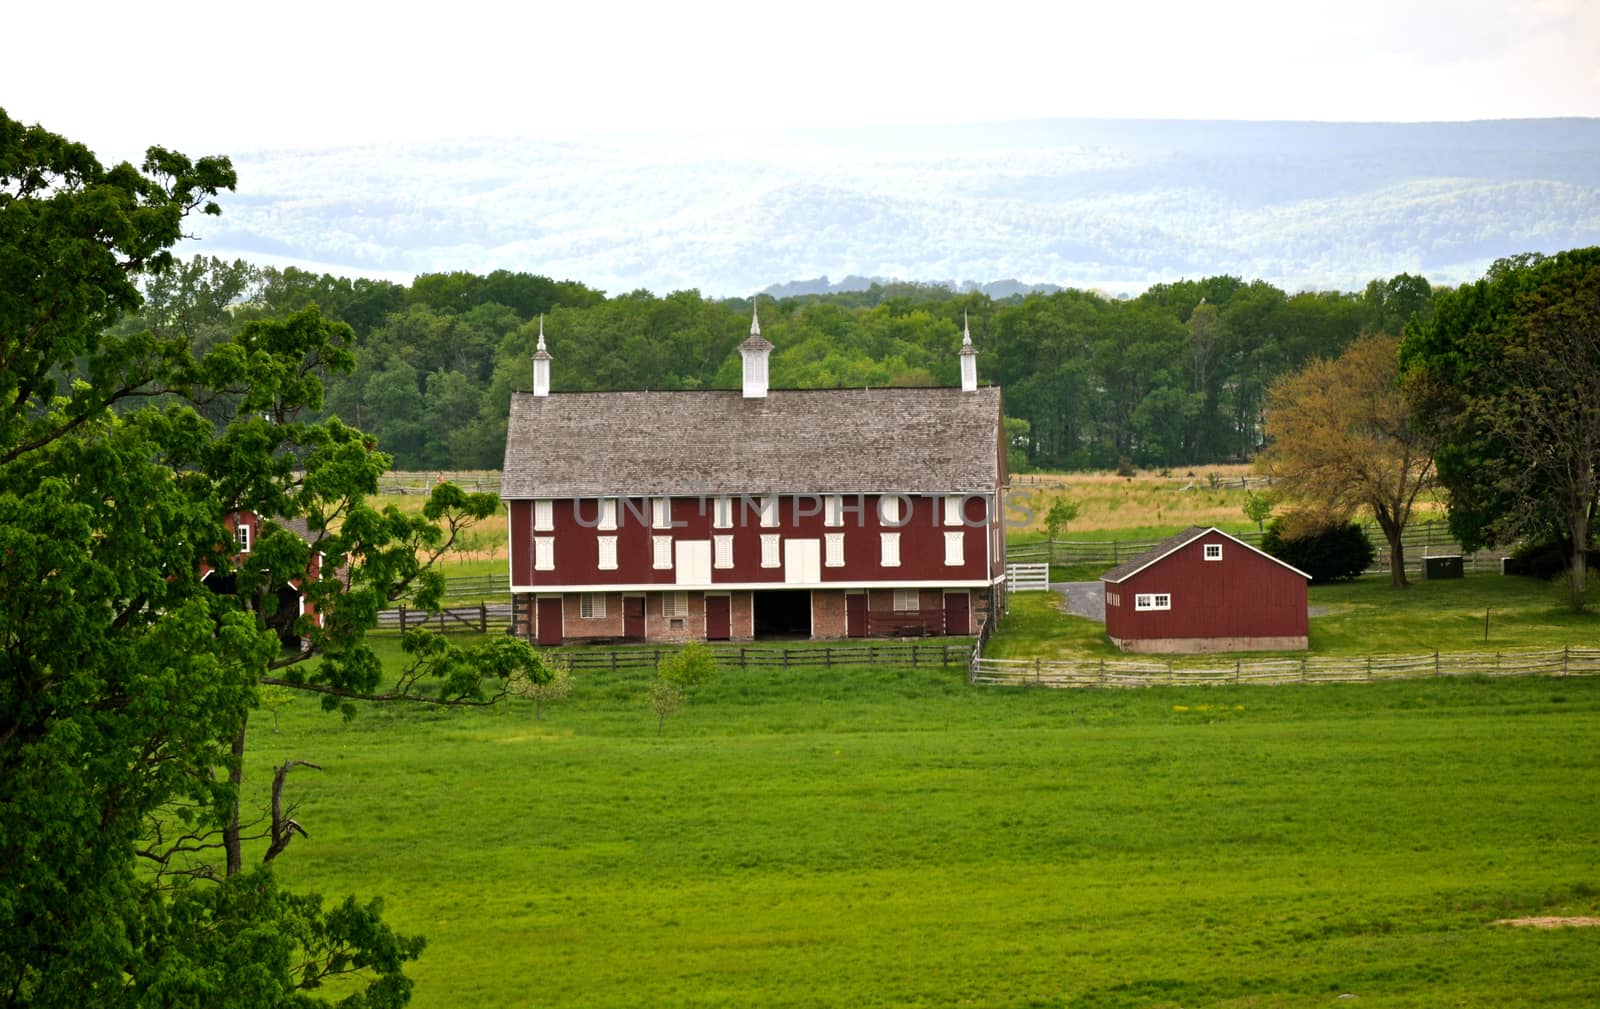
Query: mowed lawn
(894, 837)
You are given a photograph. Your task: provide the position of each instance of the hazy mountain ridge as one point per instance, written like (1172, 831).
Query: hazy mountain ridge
(1110, 204)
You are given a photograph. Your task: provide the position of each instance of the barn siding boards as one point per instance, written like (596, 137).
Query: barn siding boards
(1247, 600)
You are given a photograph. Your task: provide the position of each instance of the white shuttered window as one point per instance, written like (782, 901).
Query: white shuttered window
(954, 547)
(544, 553)
(769, 550)
(891, 550)
(662, 547)
(608, 552)
(722, 551)
(544, 516)
(833, 544)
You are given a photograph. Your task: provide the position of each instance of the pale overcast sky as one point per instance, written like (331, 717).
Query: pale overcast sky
(224, 77)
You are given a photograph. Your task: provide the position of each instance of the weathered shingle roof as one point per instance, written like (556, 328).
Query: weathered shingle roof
(914, 441)
(1171, 544)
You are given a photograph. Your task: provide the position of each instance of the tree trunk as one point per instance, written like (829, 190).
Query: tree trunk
(230, 832)
(1578, 576)
(1397, 559)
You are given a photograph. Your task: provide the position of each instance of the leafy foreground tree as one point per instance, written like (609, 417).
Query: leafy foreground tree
(126, 684)
(1341, 439)
(1506, 372)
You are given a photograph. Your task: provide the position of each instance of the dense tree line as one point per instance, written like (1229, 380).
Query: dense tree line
(1175, 376)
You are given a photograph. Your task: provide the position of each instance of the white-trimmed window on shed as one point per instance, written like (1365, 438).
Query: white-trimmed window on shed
(544, 553)
(833, 550)
(241, 536)
(722, 513)
(955, 547)
(591, 605)
(608, 552)
(952, 510)
(544, 516)
(1113, 599)
(1152, 601)
(608, 513)
(674, 604)
(891, 550)
(907, 599)
(1213, 551)
(769, 511)
(661, 549)
(722, 551)
(889, 509)
(661, 513)
(770, 555)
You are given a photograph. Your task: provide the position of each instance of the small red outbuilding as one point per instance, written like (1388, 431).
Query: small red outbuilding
(1205, 591)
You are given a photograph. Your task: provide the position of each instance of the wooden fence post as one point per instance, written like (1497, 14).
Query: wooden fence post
(1566, 654)
(827, 657)
(1436, 663)
(483, 618)
(1036, 671)
(402, 618)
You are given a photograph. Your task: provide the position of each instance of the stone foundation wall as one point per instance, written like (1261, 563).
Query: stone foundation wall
(827, 614)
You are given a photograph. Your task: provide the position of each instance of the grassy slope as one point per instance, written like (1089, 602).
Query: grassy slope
(889, 837)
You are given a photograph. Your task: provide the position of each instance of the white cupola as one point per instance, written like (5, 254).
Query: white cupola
(969, 358)
(541, 365)
(755, 350)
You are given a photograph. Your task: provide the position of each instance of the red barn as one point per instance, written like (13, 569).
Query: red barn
(736, 515)
(245, 527)
(1205, 591)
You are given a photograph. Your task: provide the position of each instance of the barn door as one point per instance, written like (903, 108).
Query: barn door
(550, 622)
(633, 618)
(956, 619)
(718, 618)
(855, 615)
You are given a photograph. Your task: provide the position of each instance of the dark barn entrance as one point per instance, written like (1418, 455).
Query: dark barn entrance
(785, 613)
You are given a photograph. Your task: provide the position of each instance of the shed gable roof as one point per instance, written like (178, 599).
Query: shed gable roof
(914, 441)
(1172, 544)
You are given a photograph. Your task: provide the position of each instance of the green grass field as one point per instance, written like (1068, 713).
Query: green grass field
(895, 838)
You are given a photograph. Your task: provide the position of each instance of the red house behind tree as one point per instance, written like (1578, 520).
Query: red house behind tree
(246, 529)
(1205, 591)
(729, 515)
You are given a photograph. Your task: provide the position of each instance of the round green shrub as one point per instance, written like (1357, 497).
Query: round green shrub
(1339, 553)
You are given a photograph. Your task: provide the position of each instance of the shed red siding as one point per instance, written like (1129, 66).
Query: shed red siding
(1244, 595)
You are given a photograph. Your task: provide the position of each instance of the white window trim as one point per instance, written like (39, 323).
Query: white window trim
(833, 550)
(1152, 601)
(544, 516)
(1213, 551)
(889, 509)
(661, 546)
(241, 535)
(661, 513)
(771, 550)
(955, 549)
(722, 552)
(890, 543)
(605, 545)
(952, 510)
(914, 596)
(544, 553)
(833, 511)
(722, 513)
(596, 602)
(769, 511)
(1113, 599)
(608, 513)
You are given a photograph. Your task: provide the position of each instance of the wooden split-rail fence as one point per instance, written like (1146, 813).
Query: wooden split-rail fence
(1567, 661)
(480, 617)
(945, 653)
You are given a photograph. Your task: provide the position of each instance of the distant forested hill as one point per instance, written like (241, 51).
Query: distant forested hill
(1093, 204)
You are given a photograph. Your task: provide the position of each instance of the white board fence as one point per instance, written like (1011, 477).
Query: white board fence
(1027, 577)
(1567, 661)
